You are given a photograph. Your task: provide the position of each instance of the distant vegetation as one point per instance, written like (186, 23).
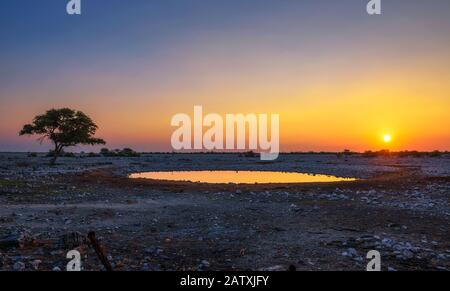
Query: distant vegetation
(403, 154)
(126, 152)
(104, 152)
(250, 154)
(51, 154)
(345, 153)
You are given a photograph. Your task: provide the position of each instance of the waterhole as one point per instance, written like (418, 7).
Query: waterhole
(238, 177)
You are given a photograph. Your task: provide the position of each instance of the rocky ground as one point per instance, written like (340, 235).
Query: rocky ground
(400, 207)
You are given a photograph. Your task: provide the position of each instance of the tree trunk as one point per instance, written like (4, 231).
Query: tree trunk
(56, 153)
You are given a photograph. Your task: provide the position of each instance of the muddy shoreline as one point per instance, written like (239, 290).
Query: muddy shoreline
(399, 207)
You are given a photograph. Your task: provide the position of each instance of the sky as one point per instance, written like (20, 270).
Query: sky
(338, 77)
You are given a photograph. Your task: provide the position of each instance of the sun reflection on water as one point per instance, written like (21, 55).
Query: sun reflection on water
(238, 177)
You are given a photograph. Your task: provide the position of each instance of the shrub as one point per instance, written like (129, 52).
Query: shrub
(51, 153)
(436, 154)
(369, 154)
(105, 152)
(126, 152)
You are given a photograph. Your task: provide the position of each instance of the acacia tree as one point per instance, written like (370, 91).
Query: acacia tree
(65, 128)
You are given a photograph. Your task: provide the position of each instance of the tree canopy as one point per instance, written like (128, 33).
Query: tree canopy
(65, 128)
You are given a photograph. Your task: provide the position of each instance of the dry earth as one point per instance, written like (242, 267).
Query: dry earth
(400, 207)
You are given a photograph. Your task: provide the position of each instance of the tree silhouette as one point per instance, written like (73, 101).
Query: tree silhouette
(65, 128)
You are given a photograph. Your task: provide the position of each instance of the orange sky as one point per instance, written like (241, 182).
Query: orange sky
(338, 80)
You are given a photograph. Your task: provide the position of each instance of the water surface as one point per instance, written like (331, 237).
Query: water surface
(238, 177)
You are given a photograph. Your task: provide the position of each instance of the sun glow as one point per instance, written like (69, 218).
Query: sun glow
(387, 138)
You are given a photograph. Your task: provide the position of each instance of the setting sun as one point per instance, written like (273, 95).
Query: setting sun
(387, 138)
